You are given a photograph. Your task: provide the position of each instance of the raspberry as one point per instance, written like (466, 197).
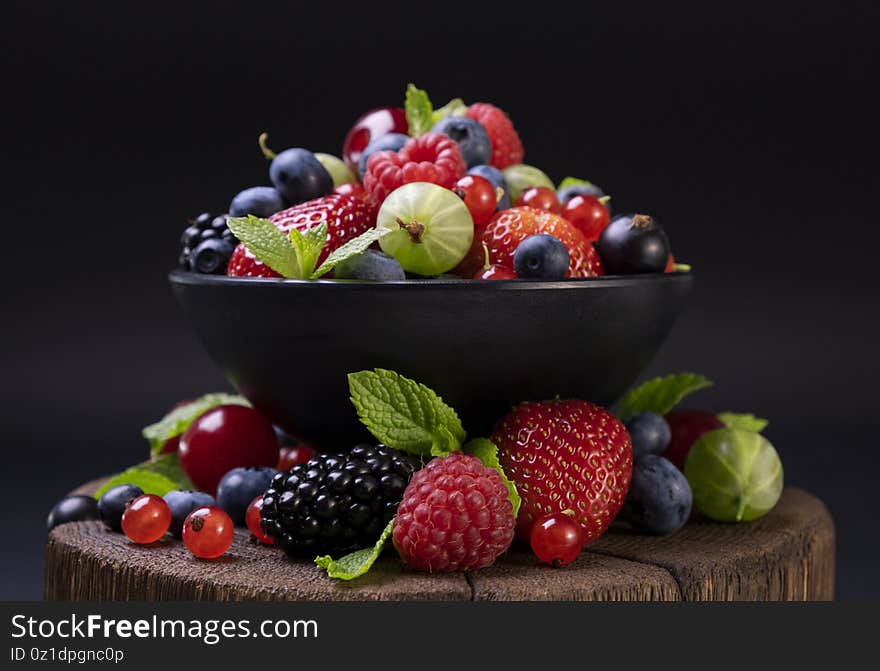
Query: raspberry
(432, 157)
(336, 503)
(455, 516)
(507, 148)
(347, 217)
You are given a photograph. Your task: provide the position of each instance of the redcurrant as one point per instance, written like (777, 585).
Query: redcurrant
(146, 519)
(252, 520)
(588, 214)
(293, 455)
(539, 197)
(557, 539)
(208, 532)
(479, 196)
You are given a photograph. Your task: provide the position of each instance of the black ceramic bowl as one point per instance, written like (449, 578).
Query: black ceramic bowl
(287, 345)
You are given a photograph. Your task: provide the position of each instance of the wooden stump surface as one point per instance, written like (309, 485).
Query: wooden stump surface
(786, 555)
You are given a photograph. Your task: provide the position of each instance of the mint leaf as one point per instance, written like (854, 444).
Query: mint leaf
(159, 475)
(661, 394)
(308, 247)
(487, 452)
(419, 111)
(178, 420)
(357, 563)
(268, 244)
(572, 181)
(404, 414)
(454, 107)
(744, 421)
(349, 249)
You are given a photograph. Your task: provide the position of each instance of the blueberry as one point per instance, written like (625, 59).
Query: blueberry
(541, 257)
(190, 236)
(73, 509)
(240, 486)
(182, 503)
(211, 257)
(659, 499)
(299, 176)
(649, 432)
(633, 243)
(496, 177)
(372, 266)
(570, 192)
(260, 201)
(471, 136)
(114, 502)
(387, 142)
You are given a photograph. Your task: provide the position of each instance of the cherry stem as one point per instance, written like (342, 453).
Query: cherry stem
(605, 200)
(486, 264)
(641, 221)
(268, 153)
(499, 194)
(414, 228)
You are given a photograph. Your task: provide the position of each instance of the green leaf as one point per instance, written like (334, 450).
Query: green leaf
(178, 420)
(454, 107)
(308, 246)
(487, 452)
(160, 475)
(351, 248)
(661, 394)
(357, 563)
(419, 111)
(267, 243)
(744, 421)
(572, 181)
(404, 414)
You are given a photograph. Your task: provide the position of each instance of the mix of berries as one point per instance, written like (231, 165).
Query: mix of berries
(475, 152)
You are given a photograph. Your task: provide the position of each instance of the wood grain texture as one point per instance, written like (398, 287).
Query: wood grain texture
(786, 555)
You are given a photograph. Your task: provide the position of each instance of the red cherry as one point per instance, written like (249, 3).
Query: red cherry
(296, 454)
(252, 520)
(495, 272)
(146, 519)
(588, 214)
(208, 532)
(369, 126)
(479, 196)
(539, 197)
(686, 427)
(353, 189)
(557, 539)
(224, 438)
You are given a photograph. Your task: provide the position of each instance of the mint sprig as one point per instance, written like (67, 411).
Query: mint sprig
(404, 414)
(573, 181)
(661, 394)
(178, 420)
(419, 111)
(295, 255)
(745, 421)
(357, 563)
(487, 452)
(455, 107)
(160, 475)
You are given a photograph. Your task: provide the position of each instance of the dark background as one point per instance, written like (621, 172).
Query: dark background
(750, 133)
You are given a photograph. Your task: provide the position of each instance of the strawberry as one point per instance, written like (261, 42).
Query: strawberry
(432, 157)
(347, 217)
(509, 227)
(565, 455)
(507, 148)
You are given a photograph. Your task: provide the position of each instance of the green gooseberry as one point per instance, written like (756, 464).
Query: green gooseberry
(521, 177)
(735, 475)
(337, 169)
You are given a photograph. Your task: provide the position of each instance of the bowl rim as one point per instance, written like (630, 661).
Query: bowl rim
(186, 277)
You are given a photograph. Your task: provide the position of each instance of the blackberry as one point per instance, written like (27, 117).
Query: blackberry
(207, 245)
(336, 503)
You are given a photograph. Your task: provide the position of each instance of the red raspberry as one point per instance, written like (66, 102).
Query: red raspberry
(565, 455)
(507, 148)
(503, 234)
(432, 157)
(455, 516)
(347, 217)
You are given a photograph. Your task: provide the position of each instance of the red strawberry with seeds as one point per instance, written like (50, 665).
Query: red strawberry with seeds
(510, 227)
(346, 216)
(565, 455)
(432, 157)
(507, 148)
